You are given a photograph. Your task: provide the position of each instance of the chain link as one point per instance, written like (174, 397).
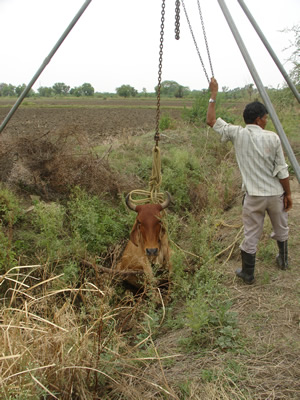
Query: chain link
(192, 33)
(177, 19)
(205, 38)
(156, 137)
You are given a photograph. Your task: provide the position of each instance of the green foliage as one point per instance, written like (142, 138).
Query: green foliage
(165, 122)
(211, 321)
(71, 272)
(45, 91)
(10, 214)
(10, 210)
(126, 91)
(84, 90)
(60, 88)
(97, 223)
(48, 221)
(20, 88)
(179, 169)
(197, 114)
(7, 90)
(173, 89)
(7, 255)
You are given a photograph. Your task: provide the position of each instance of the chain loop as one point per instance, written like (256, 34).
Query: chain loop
(177, 19)
(156, 137)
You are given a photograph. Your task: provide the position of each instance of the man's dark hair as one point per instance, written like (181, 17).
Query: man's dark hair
(254, 110)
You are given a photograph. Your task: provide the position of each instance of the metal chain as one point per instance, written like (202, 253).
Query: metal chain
(156, 137)
(192, 33)
(205, 38)
(177, 19)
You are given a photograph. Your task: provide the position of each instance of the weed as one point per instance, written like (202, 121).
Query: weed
(197, 114)
(166, 122)
(95, 222)
(10, 210)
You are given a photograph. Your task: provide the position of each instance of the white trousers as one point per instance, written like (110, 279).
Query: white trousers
(254, 211)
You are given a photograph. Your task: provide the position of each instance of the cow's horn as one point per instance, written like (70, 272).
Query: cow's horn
(129, 203)
(166, 203)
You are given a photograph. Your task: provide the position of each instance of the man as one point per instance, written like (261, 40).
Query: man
(265, 178)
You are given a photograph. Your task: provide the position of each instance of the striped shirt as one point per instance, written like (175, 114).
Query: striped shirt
(259, 156)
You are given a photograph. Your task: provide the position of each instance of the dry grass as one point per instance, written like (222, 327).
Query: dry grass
(68, 343)
(51, 164)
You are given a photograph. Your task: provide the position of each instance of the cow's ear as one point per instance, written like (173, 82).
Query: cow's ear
(135, 233)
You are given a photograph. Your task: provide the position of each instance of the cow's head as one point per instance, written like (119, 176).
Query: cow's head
(148, 229)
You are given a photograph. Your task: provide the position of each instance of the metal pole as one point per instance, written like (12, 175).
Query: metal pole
(270, 50)
(261, 89)
(45, 63)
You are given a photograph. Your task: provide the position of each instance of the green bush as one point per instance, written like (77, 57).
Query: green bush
(97, 223)
(7, 255)
(180, 168)
(49, 220)
(197, 114)
(10, 214)
(165, 122)
(10, 210)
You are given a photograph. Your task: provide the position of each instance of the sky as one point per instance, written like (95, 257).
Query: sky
(116, 42)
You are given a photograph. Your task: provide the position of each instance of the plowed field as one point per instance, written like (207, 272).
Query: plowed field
(97, 118)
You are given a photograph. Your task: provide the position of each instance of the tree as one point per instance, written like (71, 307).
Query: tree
(87, 89)
(60, 88)
(172, 89)
(7, 90)
(295, 56)
(45, 91)
(84, 90)
(76, 91)
(250, 89)
(20, 88)
(126, 91)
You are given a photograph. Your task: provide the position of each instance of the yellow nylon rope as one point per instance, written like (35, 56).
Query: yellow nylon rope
(153, 195)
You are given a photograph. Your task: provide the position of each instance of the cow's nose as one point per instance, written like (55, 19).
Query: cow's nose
(152, 252)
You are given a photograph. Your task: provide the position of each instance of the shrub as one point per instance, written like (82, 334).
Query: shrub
(165, 122)
(97, 223)
(197, 114)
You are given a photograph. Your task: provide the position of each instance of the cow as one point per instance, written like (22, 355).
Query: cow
(148, 245)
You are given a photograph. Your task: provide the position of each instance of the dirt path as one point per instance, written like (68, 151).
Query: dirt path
(268, 367)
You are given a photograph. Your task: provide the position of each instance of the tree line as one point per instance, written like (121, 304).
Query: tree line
(58, 89)
(168, 89)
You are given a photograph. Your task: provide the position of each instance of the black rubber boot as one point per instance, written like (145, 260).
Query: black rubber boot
(282, 258)
(247, 271)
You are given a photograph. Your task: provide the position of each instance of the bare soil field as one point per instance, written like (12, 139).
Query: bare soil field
(97, 118)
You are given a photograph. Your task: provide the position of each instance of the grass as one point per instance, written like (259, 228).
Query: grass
(69, 330)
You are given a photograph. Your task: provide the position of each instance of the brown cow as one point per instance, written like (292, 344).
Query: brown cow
(148, 243)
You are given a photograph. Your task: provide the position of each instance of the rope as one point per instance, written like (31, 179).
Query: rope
(153, 195)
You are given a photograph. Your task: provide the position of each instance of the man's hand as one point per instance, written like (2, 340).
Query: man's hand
(211, 112)
(288, 202)
(213, 87)
(287, 196)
